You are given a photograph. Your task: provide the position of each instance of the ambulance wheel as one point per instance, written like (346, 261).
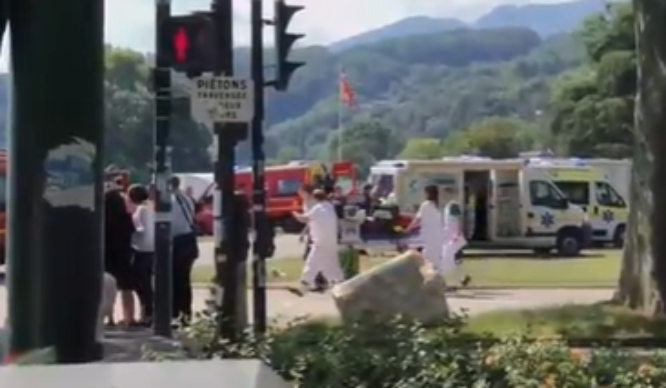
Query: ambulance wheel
(618, 237)
(568, 242)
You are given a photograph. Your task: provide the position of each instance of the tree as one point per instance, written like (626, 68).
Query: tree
(594, 105)
(364, 142)
(422, 149)
(642, 283)
(495, 137)
(129, 119)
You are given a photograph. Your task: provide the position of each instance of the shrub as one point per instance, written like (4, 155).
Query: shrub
(404, 354)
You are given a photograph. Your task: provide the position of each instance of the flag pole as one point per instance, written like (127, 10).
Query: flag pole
(340, 130)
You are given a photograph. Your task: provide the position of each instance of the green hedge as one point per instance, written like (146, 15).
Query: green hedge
(403, 354)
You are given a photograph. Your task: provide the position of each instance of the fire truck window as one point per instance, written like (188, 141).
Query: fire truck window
(288, 187)
(345, 183)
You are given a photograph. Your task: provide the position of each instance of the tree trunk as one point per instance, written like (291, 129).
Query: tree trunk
(642, 283)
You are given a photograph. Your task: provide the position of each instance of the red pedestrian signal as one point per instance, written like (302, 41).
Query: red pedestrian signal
(180, 45)
(188, 43)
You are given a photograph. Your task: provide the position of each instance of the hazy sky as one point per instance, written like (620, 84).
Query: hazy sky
(130, 23)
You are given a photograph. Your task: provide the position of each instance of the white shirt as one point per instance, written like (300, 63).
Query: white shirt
(143, 239)
(181, 205)
(431, 221)
(308, 204)
(323, 223)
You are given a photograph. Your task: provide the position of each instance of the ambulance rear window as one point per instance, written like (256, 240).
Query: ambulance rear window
(383, 183)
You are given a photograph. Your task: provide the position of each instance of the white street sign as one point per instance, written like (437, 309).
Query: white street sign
(221, 99)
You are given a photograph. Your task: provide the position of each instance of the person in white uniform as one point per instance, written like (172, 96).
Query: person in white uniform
(454, 241)
(430, 223)
(323, 256)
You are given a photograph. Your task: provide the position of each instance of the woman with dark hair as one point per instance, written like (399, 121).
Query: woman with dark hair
(430, 223)
(143, 243)
(118, 229)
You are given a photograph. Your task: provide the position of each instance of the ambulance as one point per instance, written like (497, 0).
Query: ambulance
(508, 204)
(589, 188)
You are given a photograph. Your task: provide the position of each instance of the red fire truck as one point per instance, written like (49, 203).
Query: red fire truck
(282, 184)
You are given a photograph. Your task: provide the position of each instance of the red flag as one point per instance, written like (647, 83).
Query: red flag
(347, 93)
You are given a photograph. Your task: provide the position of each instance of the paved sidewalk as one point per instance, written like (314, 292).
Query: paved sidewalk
(283, 305)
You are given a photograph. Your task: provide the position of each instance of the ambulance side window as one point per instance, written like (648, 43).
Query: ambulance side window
(576, 192)
(288, 187)
(542, 193)
(607, 196)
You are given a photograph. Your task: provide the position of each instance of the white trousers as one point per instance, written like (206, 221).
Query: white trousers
(322, 258)
(432, 253)
(449, 251)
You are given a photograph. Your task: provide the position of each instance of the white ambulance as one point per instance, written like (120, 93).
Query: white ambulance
(508, 204)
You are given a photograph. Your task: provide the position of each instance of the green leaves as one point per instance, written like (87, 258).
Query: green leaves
(404, 354)
(593, 105)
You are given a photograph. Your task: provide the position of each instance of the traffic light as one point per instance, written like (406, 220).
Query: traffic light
(188, 43)
(284, 41)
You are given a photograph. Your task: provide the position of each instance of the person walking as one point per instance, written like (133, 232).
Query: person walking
(118, 229)
(185, 249)
(454, 241)
(430, 222)
(323, 255)
(143, 243)
(305, 194)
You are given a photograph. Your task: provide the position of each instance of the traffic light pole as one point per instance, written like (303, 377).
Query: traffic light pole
(230, 256)
(162, 163)
(261, 242)
(56, 144)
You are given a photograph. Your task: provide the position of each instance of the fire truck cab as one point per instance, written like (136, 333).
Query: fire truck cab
(282, 185)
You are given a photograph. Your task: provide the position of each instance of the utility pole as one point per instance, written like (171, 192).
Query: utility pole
(230, 258)
(56, 177)
(261, 241)
(162, 171)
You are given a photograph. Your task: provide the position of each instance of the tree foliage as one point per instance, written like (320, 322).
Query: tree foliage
(129, 119)
(422, 86)
(593, 105)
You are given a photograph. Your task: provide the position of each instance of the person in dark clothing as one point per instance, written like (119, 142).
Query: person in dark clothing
(118, 229)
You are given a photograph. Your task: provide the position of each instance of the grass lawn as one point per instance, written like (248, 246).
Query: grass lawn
(601, 320)
(598, 268)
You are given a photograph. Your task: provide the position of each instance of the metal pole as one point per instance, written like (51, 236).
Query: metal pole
(229, 259)
(258, 163)
(162, 153)
(56, 145)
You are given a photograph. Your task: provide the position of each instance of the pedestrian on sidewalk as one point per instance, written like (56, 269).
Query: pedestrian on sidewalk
(323, 255)
(143, 244)
(185, 249)
(118, 230)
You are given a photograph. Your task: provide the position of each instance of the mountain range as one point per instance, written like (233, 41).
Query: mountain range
(545, 19)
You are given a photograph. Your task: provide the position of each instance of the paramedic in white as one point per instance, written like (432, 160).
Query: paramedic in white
(323, 256)
(430, 222)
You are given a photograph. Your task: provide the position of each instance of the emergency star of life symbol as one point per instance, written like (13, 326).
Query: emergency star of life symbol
(608, 216)
(547, 220)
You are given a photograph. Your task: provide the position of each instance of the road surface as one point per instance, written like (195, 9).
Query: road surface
(283, 305)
